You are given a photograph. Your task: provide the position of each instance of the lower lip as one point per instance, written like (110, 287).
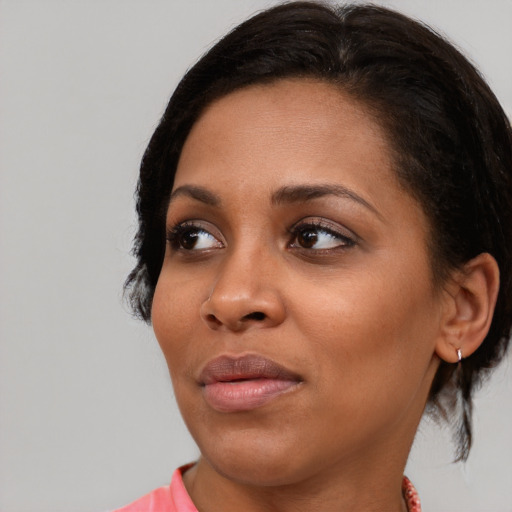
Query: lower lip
(245, 395)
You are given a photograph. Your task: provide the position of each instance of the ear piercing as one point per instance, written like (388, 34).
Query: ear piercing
(459, 355)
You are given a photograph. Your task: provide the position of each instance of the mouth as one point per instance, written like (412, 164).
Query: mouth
(233, 384)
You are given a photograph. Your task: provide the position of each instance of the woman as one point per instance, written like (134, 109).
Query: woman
(324, 252)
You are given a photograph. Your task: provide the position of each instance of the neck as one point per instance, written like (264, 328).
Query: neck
(354, 488)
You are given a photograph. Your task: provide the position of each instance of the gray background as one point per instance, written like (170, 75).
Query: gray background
(88, 420)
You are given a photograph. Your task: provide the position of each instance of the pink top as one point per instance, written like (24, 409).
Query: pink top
(174, 497)
(169, 498)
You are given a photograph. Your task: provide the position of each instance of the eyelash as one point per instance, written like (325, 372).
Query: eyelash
(343, 241)
(175, 234)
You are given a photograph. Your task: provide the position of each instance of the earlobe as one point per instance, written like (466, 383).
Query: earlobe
(469, 307)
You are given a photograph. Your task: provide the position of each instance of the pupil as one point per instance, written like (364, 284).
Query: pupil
(188, 239)
(307, 239)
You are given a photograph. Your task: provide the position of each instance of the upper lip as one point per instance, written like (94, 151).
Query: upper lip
(228, 368)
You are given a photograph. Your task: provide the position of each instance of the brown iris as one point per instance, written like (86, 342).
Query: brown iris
(188, 239)
(307, 238)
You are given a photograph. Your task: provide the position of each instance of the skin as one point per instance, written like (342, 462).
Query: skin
(356, 315)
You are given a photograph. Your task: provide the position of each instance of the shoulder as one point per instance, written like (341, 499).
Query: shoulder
(156, 501)
(169, 498)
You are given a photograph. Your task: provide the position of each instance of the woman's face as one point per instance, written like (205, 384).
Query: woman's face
(295, 306)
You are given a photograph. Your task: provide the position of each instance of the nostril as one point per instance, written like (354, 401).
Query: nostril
(257, 315)
(213, 319)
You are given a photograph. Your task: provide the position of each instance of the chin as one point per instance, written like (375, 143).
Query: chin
(256, 471)
(255, 458)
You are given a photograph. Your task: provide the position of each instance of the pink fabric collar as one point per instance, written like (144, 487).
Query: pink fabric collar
(412, 500)
(181, 499)
(169, 498)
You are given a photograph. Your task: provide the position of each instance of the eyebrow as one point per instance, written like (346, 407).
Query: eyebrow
(304, 193)
(285, 195)
(198, 193)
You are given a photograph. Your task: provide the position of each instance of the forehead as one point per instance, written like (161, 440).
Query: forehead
(289, 130)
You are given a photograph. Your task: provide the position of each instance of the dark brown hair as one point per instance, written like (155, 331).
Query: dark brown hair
(451, 140)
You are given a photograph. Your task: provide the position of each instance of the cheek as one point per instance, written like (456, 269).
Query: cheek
(371, 357)
(174, 316)
(377, 325)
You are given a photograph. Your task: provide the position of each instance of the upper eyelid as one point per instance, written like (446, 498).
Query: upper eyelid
(194, 223)
(176, 228)
(327, 225)
(318, 226)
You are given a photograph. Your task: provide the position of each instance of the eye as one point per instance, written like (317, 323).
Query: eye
(189, 236)
(319, 237)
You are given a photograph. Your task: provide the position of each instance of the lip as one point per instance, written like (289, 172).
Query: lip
(233, 384)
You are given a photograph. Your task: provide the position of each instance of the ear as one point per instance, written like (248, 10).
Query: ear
(471, 295)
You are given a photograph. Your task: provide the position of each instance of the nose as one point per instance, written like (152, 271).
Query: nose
(245, 295)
